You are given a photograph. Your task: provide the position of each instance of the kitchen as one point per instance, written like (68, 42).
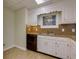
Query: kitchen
(48, 28)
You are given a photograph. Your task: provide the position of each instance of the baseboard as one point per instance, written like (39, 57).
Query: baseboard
(8, 48)
(24, 49)
(20, 47)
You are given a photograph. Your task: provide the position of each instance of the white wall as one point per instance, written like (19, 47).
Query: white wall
(8, 28)
(14, 25)
(66, 6)
(20, 26)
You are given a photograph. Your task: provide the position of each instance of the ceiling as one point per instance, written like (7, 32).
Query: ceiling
(30, 4)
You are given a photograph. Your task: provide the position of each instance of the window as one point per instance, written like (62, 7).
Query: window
(49, 20)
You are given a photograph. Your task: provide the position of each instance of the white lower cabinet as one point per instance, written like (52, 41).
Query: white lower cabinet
(57, 46)
(51, 47)
(45, 45)
(73, 50)
(40, 44)
(64, 48)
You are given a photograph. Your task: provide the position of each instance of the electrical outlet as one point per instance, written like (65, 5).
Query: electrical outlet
(62, 29)
(73, 30)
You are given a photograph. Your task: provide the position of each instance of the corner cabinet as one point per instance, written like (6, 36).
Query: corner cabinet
(32, 42)
(57, 46)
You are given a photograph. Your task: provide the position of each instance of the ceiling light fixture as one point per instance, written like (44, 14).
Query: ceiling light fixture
(40, 1)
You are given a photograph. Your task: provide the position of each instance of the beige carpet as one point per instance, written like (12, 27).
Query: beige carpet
(16, 53)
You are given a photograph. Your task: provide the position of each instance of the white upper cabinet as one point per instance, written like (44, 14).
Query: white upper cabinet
(69, 11)
(32, 19)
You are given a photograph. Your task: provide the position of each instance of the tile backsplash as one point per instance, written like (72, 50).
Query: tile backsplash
(64, 29)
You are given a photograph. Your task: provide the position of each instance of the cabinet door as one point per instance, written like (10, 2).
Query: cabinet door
(46, 45)
(52, 50)
(41, 44)
(72, 49)
(32, 42)
(58, 48)
(50, 47)
(65, 49)
(68, 13)
(61, 48)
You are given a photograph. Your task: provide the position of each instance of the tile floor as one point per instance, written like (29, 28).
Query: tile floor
(16, 53)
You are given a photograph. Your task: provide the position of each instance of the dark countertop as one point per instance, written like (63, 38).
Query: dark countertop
(73, 37)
